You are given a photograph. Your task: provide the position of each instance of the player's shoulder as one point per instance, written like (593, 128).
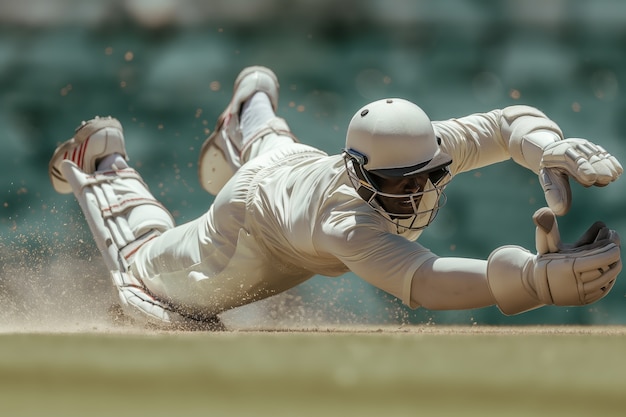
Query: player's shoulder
(344, 216)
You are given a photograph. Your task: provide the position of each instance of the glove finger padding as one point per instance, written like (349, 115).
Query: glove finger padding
(564, 275)
(578, 277)
(556, 189)
(586, 162)
(575, 274)
(616, 168)
(596, 288)
(547, 235)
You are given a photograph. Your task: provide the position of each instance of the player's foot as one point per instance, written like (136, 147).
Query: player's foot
(93, 140)
(215, 166)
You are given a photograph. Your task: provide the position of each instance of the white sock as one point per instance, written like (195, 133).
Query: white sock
(255, 113)
(113, 162)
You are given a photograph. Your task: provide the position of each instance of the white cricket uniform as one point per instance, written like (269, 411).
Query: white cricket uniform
(291, 213)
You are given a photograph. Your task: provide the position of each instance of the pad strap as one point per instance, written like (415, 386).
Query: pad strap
(123, 216)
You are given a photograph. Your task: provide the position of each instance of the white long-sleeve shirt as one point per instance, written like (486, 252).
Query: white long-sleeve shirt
(292, 213)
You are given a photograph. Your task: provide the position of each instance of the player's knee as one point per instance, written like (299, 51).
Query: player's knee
(148, 217)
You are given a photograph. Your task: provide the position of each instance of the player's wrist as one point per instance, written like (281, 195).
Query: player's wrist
(508, 269)
(533, 146)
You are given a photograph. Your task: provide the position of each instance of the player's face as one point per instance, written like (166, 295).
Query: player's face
(404, 188)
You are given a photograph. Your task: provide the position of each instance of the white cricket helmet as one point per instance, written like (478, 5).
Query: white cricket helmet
(393, 140)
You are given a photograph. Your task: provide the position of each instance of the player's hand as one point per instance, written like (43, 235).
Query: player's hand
(586, 162)
(576, 274)
(564, 275)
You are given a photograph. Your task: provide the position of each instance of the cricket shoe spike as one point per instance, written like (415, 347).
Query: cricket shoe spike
(222, 153)
(93, 140)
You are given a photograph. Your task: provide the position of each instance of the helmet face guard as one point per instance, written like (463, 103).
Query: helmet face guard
(418, 208)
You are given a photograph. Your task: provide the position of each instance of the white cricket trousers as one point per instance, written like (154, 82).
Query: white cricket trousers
(190, 265)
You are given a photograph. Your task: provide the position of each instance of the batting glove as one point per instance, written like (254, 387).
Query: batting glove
(559, 274)
(588, 163)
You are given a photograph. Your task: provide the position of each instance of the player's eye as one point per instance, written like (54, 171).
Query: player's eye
(437, 175)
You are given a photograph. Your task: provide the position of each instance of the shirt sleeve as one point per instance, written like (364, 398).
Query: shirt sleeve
(363, 243)
(473, 141)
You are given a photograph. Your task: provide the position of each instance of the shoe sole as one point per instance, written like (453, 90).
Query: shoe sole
(213, 159)
(81, 134)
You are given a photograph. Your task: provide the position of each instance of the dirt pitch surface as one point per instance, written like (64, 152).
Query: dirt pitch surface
(311, 371)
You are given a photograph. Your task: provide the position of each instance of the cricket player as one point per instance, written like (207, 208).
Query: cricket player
(285, 211)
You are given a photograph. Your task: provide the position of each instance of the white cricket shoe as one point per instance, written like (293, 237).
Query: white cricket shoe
(93, 140)
(216, 165)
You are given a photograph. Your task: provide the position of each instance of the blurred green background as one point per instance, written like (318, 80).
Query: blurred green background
(165, 68)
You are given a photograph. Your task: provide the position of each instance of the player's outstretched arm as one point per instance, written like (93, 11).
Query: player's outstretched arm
(537, 143)
(559, 274)
(451, 283)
